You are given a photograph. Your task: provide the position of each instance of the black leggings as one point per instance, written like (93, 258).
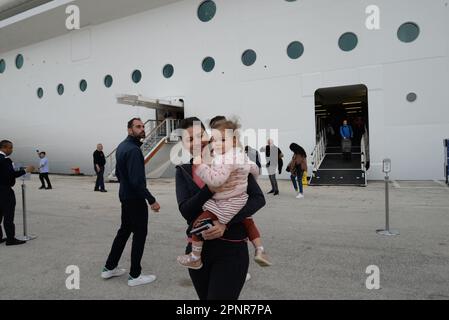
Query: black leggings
(223, 275)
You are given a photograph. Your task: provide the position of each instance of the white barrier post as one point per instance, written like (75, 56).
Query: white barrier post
(386, 168)
(25, 236)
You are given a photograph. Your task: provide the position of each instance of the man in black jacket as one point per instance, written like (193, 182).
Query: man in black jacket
(274, 157)
(99, 163)
(7, 197)
(130, 172)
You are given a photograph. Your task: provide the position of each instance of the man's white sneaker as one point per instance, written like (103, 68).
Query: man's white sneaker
(107, 274)
(140, 280)
(248, 277)
(299, 196)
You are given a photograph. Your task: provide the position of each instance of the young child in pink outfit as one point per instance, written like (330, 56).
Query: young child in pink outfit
(228, 157)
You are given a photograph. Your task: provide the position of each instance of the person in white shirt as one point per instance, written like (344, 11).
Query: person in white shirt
(43, 171)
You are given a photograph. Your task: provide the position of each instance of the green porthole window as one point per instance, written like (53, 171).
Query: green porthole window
(168, 71)
(249, 57)
(408, 32)
(60, 89)
(295, 50)
(136, 76)
(2, 66)
(40, 93)
(19, 61)
(83, 85)
(108, 81)
(208, 64)
(348, 41)
(411, 97)
(207, 10)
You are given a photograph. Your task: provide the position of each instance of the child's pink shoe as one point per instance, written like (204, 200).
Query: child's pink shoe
(190, 261)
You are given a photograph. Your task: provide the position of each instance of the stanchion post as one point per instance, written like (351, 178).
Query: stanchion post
(387, 202)
(386, 168)
(25, 236)
(446, 160)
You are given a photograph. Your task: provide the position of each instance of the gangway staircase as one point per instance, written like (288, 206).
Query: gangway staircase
(331, 169)
(160, 136)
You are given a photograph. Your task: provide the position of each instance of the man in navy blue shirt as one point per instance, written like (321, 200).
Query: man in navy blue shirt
(8, 177)
(133, 194)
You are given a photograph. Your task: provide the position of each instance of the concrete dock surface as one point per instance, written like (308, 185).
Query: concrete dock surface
(321, 245)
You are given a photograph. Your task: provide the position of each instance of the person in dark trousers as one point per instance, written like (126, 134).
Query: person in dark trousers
(254, 156)
(8, 177)
(272, 155)
(330, 133)
(44, 171)
(359, 130)
(99, 164)
(297, 167)
(133, 193)
(225, 251)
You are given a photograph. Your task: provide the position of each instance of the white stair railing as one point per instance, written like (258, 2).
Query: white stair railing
(110, 158)
(319, 152)
(364, 156)
(155, 133)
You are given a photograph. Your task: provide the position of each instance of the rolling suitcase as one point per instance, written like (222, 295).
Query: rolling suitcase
(346, 148)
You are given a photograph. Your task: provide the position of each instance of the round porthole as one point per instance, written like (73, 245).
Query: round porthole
(136, 76)
(2, 66)
(408, 32)
(19, 61)
(411, 97)
(108, 81)
(60, 89)
(348, 41)
(208, 64)
(83, 85)
(40, 93)
(249, 57)
(168, 71)
(207, 10)
(295, 50)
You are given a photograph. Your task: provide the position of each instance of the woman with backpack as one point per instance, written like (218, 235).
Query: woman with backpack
(297, 167)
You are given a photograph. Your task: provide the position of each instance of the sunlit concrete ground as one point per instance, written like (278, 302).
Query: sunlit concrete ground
(321, 246)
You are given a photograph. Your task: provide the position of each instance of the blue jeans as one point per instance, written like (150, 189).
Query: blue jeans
(299, 183)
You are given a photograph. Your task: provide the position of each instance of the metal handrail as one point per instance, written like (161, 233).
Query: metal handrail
(110, 157)
(162, 133)
(155, 130)
(150, 145)
(113, 151)
(319, 152)
(364, 155)
(151, 124)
